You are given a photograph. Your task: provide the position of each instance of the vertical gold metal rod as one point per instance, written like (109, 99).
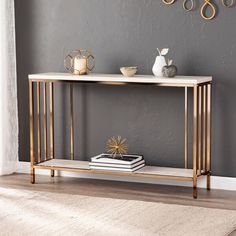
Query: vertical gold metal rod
(204, 128)
(38, 122)
(45, 119)
(51, 120)
(31, 120)
(195, 129)
(199, 130)
(186, 129)
(51, 135)
(71, 124)
(209, 111)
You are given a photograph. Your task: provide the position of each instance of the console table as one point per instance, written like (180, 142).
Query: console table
(41, 91)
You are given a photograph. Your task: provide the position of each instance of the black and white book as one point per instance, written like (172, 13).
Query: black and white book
(124, 166)
(117, 169)
(122, 160)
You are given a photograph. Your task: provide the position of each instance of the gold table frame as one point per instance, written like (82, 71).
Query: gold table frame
(201, 130)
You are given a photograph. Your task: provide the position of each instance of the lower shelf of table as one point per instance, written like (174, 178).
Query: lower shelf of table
(147, 171)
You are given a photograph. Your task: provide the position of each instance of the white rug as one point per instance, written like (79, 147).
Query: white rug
(42, 213)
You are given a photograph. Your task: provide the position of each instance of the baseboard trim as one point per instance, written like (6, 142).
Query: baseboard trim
(217, 182)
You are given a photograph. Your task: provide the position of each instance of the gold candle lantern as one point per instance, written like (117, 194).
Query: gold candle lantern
(79, 62)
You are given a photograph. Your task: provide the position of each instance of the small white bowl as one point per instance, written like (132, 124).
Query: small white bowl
(129, 71)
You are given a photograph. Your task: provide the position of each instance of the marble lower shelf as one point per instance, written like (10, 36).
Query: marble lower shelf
(147, 171)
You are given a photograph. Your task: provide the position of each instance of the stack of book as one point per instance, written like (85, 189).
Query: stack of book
(127, 163)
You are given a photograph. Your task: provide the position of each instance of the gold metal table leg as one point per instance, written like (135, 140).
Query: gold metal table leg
(32, 174)
(51, 130)
(209, 111)
(199, 130)
(71, 123)
(186, 129)
(204, 144)
(195, 131)
(31, 116)
(38, 122)
(52, 173)
(45, 119)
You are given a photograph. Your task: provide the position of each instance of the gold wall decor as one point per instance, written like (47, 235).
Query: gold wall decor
(207, 5)
(117, 146)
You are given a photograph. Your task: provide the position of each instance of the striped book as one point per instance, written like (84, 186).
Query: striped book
(128, 163)
(116, 168)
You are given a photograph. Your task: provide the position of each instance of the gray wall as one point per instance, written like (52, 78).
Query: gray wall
(127, 32)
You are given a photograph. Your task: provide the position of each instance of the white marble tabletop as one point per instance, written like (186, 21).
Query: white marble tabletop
(118, 78)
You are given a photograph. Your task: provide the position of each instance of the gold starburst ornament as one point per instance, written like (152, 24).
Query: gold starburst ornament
(117, 146)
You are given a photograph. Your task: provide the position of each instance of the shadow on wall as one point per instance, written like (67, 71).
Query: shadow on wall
(25, 43)
(223, 128)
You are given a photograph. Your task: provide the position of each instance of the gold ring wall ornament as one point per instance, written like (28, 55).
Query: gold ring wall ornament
(186, 7)
(208, 4)
(168, 2)
(228, 4)
(79, 62)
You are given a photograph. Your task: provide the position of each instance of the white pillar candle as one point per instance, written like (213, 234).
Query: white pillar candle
(80, 66)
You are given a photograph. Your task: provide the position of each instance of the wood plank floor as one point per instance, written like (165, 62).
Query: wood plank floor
(123, 190)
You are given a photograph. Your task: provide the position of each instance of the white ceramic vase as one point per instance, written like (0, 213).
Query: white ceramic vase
(160, 62)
